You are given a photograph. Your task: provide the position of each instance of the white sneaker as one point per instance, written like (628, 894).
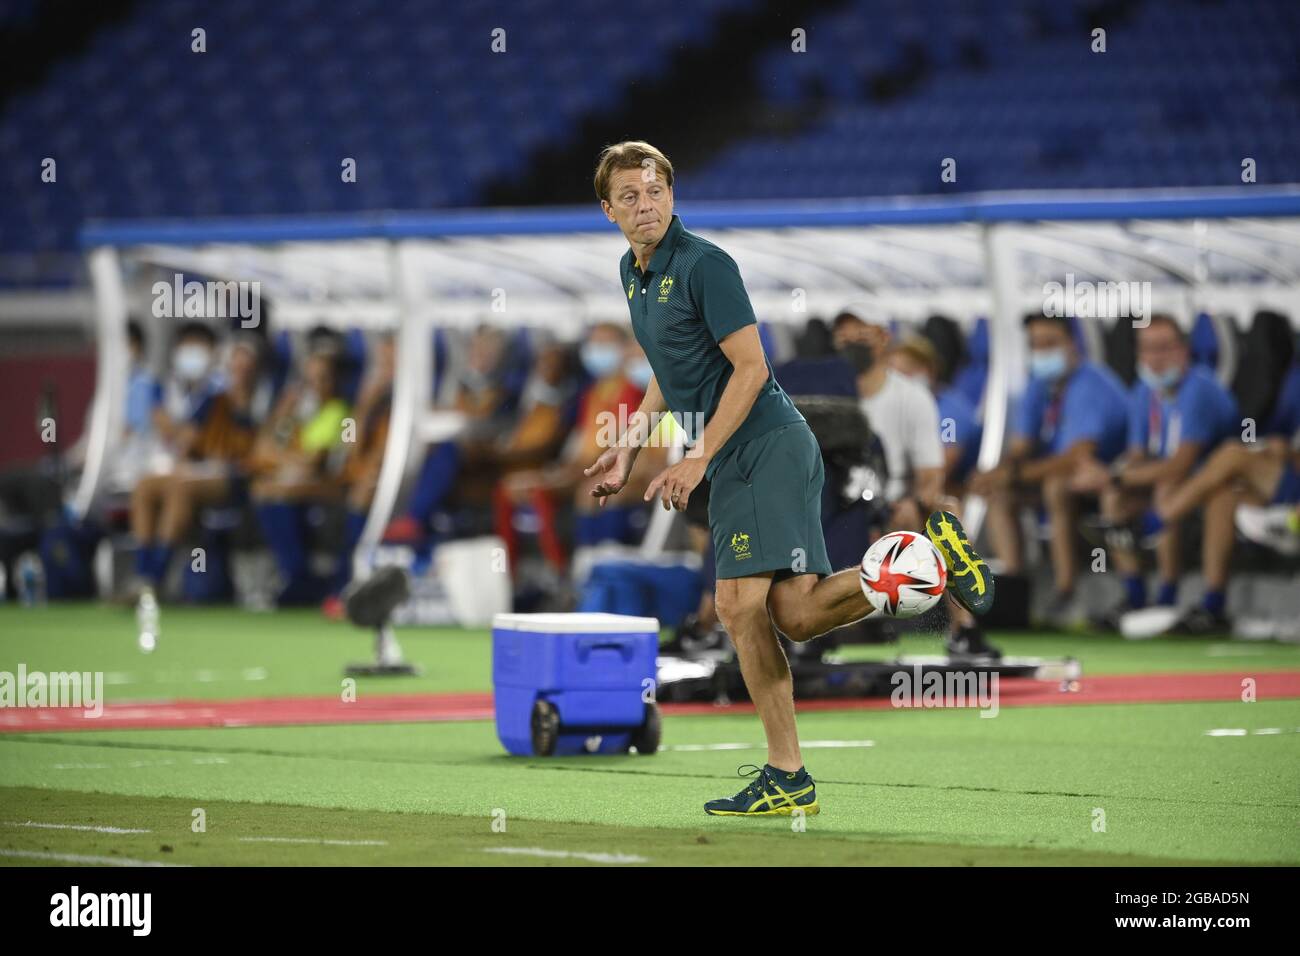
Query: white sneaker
(1270, 526)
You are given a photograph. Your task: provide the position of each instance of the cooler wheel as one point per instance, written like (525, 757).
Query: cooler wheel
(645, 740)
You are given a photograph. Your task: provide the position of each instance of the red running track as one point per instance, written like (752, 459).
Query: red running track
(422, 708)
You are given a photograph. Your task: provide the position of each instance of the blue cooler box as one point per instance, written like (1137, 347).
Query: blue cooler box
(575, 683)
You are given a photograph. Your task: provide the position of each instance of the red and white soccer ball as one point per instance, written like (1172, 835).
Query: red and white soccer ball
(903, 574)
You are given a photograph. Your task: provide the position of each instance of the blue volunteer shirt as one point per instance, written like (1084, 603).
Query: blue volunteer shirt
(1201, 410)
(143, 394)
(1285, 420)
(1089, 406)
(966, 432)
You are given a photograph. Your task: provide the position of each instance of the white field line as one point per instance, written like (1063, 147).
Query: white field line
(805, 744)
(1233, 650)
(567, 854)
(70, 826)
(313, 840)
(82, 858)
(126, 678)
(137, 764)
(1243, 732)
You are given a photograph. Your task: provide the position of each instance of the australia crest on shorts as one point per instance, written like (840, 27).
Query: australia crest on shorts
(740, 545)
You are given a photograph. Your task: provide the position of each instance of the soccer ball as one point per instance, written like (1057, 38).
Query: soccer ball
(903, 574)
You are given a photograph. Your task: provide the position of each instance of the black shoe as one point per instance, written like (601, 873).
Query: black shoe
(694, 637)
(875, 630)
(1198, 622)
(1108, 621)
(969, 643)
(1060, 614)
(1117, 535)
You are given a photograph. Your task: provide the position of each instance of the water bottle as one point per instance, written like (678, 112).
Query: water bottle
(146, 619)
(31, 579)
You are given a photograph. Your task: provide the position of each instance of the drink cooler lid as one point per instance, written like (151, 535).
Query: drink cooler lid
(575, 623)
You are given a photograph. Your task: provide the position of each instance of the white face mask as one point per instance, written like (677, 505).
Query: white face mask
(308, 403)
(539, 392)
(191, 362)
(1049, 365)
(639, 373)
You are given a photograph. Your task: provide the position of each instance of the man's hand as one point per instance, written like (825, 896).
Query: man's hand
(906, 513)
(675, 483)
(614, 466)
(991, 481)
(1091, 477)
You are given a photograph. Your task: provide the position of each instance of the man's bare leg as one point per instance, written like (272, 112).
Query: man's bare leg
(1119, 505)
(804, 607)
(1004, 531)
(1168, 563)
(182, 499)
(146, 503)
(958, 616)
(742, 608)
(1060, 508)
(1218, 537)
(1228, 464)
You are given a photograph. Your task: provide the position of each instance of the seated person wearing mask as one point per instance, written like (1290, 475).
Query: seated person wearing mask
(619, 373)
(1177, 414)
(959, 432)
(1072, 412)
(905, 417)
(1255, 482)
(296, 460)
(193, 379)
(214, 448)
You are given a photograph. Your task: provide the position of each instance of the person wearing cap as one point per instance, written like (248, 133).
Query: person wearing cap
(916, 358)
(902, 411)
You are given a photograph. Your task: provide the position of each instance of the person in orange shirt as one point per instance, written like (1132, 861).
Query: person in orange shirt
(214, 448)
(618, 369)
(462, 471)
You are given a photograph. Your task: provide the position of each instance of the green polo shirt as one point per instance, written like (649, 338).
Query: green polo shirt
(688, 300)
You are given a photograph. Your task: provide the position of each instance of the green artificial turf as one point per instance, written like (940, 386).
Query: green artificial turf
(1031, 785)
(227, 653)
(245, 834)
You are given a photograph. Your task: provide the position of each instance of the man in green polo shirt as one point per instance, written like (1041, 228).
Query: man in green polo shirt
(691, 314)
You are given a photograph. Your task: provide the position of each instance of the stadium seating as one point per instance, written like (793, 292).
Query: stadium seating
(1016, 95)
(408, 95)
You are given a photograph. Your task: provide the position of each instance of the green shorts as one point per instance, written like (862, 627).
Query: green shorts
(765, 506)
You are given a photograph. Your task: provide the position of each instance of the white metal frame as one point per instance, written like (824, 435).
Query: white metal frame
(563, 281)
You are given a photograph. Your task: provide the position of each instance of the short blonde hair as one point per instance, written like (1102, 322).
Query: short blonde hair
(629, 154)
(921, 349)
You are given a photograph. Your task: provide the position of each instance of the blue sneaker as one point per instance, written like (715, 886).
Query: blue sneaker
(772, 793)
